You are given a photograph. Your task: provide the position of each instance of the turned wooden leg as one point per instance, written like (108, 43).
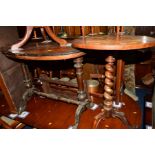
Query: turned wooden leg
(81, 92)
(79, 72)
(108, 88)
(119, 81)
(108, 111)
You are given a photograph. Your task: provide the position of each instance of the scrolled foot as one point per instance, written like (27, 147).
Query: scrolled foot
(78, 113)
(122, 117)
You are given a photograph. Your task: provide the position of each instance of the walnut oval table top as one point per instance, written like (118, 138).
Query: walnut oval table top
(44, 51)
(113, 42)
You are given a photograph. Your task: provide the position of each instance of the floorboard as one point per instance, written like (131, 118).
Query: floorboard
(51, 114)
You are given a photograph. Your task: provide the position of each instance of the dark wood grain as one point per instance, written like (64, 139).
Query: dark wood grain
(41, 51)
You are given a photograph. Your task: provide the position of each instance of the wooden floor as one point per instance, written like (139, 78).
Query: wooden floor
(46, 113)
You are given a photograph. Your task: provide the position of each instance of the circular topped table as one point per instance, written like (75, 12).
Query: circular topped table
(39, 51)
(44, 51)
(114, 43)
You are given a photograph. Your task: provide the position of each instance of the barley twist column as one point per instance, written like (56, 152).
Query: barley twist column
(108, 94)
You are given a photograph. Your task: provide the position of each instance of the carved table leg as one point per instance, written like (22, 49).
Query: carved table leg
(81, 92)
(78, 113)
(79, 72)
(108, 111)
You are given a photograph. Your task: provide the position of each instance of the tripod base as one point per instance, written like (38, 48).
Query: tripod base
(114, 114)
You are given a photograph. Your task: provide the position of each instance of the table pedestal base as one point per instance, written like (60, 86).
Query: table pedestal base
(114, 114)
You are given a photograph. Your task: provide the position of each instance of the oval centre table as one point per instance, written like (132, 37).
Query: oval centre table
(38, 51)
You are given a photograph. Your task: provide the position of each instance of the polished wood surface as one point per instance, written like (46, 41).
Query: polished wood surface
(104, 43)
(44, 51)
(51, 114)
(114, 42)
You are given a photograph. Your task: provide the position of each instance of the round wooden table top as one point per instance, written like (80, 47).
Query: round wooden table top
(44, 51)
(113, 42)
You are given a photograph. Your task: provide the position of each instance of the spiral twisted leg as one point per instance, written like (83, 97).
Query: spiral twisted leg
(108, 91)
(108, 111)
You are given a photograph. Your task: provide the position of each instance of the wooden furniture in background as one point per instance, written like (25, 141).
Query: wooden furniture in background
(71, 31)
(28, 33)
(11, 76)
